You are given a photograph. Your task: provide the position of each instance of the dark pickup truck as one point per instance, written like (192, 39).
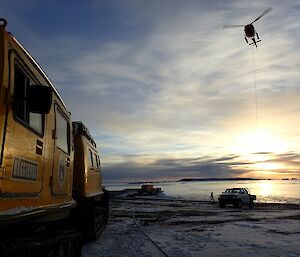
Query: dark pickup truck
(236, 196)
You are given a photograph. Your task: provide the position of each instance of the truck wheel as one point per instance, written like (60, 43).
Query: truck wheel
(239, 204)
(251, 204)
(222, 204)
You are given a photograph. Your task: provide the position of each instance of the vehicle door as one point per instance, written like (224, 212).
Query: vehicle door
(61, 169)
(244, 196)
(23, 140)
(93, 181)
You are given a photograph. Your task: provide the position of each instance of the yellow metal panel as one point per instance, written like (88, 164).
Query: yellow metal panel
(93, 183)
(88, 179)
(27, 176)
(62, 175)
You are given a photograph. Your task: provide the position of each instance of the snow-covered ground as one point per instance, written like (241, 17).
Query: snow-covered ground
(183, 228)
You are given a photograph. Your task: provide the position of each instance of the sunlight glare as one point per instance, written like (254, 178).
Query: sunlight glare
(267, 166)
(260, 141)
(266, 189)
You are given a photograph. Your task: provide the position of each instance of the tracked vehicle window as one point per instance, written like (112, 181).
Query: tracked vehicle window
(62, 133)
(96, 157)
(33, 120)
(91, 158)
(99, 161)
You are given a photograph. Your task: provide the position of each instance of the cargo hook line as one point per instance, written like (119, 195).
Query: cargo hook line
(255, 89)
(135, 221)
(256, 105)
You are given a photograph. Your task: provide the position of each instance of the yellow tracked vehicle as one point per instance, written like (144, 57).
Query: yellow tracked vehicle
(50, 176)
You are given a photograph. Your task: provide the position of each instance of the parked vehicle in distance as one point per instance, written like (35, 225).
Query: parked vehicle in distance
(236, 196)
(148, 189)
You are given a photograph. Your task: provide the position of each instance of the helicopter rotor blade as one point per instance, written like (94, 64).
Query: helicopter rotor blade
(263, 14)
(232, 26)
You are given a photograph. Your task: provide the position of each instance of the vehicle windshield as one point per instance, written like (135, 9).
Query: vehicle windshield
(230, 191)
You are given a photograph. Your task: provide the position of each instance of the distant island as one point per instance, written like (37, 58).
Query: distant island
(216, 179)
(206, 179)
(194, 179)
(228, 179)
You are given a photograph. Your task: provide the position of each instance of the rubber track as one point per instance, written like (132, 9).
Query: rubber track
(41, 244)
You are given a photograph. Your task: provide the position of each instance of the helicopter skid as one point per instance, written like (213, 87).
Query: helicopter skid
(253, 43)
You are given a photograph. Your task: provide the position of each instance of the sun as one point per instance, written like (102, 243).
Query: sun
(265, 166)
(258, 149)
(261, 141)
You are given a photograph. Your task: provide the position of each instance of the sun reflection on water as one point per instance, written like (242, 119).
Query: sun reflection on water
(266, 189)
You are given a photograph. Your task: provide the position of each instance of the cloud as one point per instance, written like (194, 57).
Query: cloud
(164, 83)
(155, 168)
(170, 169)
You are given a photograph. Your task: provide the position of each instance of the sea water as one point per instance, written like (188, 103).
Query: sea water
(278, 191)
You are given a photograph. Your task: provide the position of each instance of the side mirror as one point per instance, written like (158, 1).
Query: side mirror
(39, 99)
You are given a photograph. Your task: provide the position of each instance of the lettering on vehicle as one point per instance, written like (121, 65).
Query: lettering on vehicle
(24, 169)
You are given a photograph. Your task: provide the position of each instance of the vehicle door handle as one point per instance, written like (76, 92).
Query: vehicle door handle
(68, 162)
(39, 147)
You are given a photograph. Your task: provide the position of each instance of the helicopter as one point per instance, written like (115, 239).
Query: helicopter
(250, 32)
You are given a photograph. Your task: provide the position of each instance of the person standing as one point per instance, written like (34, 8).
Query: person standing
(212, 200)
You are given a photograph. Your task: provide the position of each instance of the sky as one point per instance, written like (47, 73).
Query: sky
(166, 92)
